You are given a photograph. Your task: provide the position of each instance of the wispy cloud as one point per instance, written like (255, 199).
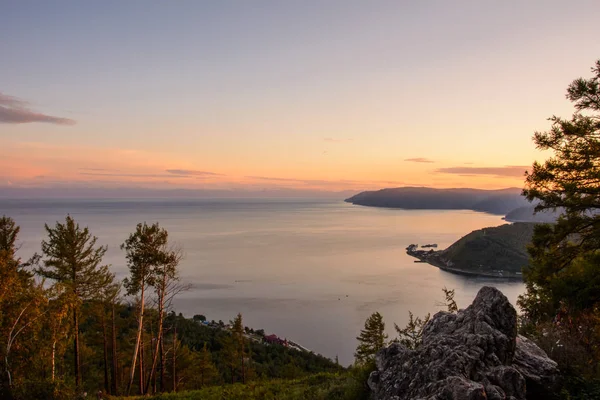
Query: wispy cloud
(506, 171)
(191, 172)
(419, 160)
(16, 111)
(98, 169)
(336, 140)
(294, 180)
(131, 175)
(321, 182)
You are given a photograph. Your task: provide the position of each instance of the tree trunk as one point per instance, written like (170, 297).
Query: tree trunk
(175, 359)
(162, 364)
(142, 365)
(105, 345)
(137, 341)
(76, 348)
(53, 358)
(7, 369)
(114, 364)
(161, 305)
(152, 355)
(242, 362)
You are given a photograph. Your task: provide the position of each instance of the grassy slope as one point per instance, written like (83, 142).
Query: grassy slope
(347, 385)
(499, 248)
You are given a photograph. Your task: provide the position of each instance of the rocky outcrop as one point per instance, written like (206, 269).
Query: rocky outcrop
(474, 354)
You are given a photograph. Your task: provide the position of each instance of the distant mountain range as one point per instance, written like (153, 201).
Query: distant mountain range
(508, 202)
(526, 214)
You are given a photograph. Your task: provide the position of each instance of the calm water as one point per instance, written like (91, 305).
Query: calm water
(311, 271)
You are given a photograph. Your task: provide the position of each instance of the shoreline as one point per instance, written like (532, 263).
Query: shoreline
(426, 257)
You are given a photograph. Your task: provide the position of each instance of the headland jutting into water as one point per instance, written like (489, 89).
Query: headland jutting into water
(437, 259)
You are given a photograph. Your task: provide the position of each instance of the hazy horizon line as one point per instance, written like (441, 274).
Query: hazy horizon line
(75, 192)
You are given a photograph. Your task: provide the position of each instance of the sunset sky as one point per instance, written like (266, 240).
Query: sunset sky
(254, 95)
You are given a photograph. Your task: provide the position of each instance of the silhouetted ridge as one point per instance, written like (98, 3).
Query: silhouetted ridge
(491, 201)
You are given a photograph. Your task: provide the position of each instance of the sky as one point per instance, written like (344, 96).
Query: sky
(242, 96)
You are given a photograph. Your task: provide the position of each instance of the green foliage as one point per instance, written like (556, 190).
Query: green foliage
(44, 389)
(266, 361)
(8, 237)
(492, 249)
(72, 259)
(411, 335)
(145, 250)
(151, 263)
(349, 385)
(578, 388)
(197, 369)
(450, 303)
(564, 256)
(83, 306)
(561, 306)
(371, 339)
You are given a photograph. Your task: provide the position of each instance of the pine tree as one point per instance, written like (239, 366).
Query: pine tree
(449, 301)
(237, 332)
(72, 259)
(564, 256)
(207, 371)
(371, 339)
(22, 304)
(230, 355)
(145, 251)
(166, 287)
(411, 336)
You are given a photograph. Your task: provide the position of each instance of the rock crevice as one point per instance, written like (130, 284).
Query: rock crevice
(474, 354)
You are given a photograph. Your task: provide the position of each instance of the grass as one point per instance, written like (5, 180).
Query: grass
(347, 385)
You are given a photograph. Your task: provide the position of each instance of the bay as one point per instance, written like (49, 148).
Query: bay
(308, 270)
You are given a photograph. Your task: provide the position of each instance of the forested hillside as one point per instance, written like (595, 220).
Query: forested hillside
(501, 248)
(68, 327)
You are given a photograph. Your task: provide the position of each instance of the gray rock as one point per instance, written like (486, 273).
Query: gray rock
(474, 354)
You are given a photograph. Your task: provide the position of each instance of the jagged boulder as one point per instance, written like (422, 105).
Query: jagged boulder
(474, 354)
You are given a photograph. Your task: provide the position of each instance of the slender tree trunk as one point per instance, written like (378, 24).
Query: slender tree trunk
(162, 364)
(152, 355)
(175, 359)
(114, 364)
(53, 359)
(105, 343)
(161, 301)
(137, 341)
(142, 365)
(242, 362)
(76, 348)
(7, 369)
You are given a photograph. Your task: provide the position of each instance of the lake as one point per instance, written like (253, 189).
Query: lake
(308, 270)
